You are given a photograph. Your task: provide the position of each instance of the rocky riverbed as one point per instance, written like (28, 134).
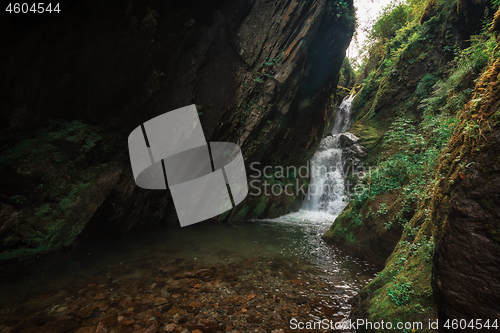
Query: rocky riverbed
(158, 289)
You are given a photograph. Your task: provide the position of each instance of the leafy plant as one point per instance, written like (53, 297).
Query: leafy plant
(401, 293)
(382, 210)
(259, 79)
(341, 7)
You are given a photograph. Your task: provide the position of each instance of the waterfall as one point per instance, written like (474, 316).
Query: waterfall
(343, 116)
(326, 190)
(325, 199)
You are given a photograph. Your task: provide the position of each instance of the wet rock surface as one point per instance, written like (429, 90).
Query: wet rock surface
(353, 156)
(256, 71)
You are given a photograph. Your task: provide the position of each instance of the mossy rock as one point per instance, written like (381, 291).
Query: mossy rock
(57, 177)
(402, 291)
(363, 231)
(370, 135)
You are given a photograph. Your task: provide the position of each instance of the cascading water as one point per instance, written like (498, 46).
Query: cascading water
(343, 116)
(326, 190)
(325, 199)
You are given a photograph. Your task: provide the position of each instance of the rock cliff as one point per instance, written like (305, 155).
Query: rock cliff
(75, 84)
(466, 210)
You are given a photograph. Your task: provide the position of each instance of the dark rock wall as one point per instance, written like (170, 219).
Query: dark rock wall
(100, 68)
(466, 270)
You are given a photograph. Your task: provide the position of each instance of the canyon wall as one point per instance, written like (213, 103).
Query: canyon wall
(427, 213)
(75, 84)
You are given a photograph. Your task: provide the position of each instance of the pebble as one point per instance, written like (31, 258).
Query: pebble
(170, 327)
(101, 328)
(109, 320)
(85, 330)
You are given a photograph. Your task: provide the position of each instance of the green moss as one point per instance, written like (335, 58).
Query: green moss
(66, 204)
(402, 292)
(224, 215)
(367, 132)
(350, 238)
(243, 212)
(56, 143)
(52, 173)
(274, 210)
(494, 232)
(260, 207)
(43, 210)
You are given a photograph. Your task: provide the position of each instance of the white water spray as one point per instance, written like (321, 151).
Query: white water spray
(343, 116)
(325, 199)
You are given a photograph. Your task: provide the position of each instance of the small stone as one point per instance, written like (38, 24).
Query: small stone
(127, 322)
(101, 328)
(196, 304)
(172, 311)
(204, 327)
(254, 320)
(60, 326)
(100, 296)
(62, 308)
(170, 327)
(176, 295)
(126, 303)
(109, 320)
(150, 329)
(74, 307)
(160, 301)
(85, 330)
(328, 310)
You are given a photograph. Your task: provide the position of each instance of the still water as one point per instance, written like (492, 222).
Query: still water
(246, 276)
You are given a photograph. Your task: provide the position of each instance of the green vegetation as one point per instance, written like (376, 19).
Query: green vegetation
(412, 147)
(417, 83)
(347, 76)
(266, 68)
(341, 8)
